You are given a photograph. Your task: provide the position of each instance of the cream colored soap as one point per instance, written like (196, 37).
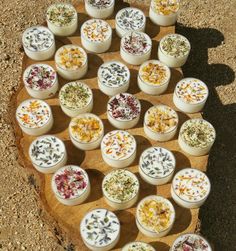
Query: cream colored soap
(76, 98)
(123, 111)
(155, 216)
(173, 50)
(120, 189)
(153, 77)
(164, 12)
(96, 35)
(70, 185)
(190, 188)
(86, 131)
(113, 78)
(62, 19)
(160, 123)
(40, 81)
(189, 240)
(38, 43)
(196, 137)
(157, 165)
(34, 117)
(137, 246)
(99, 8)
(118, 148)
(135, 47)
(190, 95)
(100, 230)
(48, 154)
(130, 19)
(71, 62)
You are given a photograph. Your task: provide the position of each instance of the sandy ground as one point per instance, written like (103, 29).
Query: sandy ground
(210, 26)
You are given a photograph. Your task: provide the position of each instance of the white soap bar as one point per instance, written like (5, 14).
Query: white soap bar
(160, 123)
(71, 185)
(100, 230)
(34, 117)
(62, 19)
(99, 8)
(194, 241)
(196, 137)
(48, 154)
(173, 50)
(86, 131)
(162, 219)
(113, 78)
(164, 12)
(123, 111)
(118, 149)
(96, 35)
(38, 43)
(71, 62)
(135, 47)
(157, 165)
(138, 246)
(153, 77)
(130, 19)
(76, 98)
(190, 95)
(40, 81)
(190, 188)
(120, 189)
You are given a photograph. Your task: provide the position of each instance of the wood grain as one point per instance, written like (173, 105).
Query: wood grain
(69, 218)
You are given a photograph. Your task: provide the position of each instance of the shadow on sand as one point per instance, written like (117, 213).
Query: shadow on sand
(216, 214)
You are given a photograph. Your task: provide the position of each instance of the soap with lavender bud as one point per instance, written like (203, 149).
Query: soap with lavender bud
(157, 165)
(100, 230)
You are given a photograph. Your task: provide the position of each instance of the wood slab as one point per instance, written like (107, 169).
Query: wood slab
(69, 218)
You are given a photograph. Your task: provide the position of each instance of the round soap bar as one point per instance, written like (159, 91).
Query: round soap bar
(164, 12)
(130, 19)
(86, 131)
(173, 50)
(34, 117)
(96, 35)
(157, 165)
(120, 189)
(123, 111)
(113, 78)
(118, 149)
(76, 98)
(40, 81)
(38, 43)
(62, 19)
(100, 230)
(190, 188)
(190, 241)
(153, 77)
(190, 95)
(138, 246)
(99, 8)
(155, 216)
(135, 47)
(71, 62)
(71, 185)
(48, 154)
(160, 123)
(196, 137)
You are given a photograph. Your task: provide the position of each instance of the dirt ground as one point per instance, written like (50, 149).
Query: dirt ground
(210, 26)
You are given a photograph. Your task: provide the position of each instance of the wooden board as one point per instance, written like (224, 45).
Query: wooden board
(69, 218)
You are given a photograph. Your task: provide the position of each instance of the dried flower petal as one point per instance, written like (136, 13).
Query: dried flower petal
(165, 7)
(33, 113)
(118, 145)
(61, 14)
(120, 186)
